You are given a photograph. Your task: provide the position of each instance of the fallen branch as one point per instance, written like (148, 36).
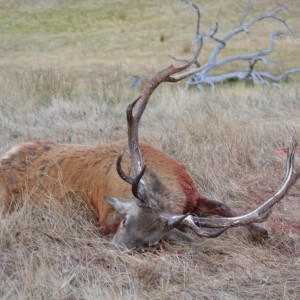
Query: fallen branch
(205, 77)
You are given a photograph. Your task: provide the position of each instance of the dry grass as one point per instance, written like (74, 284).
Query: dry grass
(51, 90)
(227, 141)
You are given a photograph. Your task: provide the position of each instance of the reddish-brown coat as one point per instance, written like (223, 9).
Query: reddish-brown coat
(46, 167)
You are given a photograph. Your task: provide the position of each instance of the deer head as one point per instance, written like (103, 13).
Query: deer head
(144, 223)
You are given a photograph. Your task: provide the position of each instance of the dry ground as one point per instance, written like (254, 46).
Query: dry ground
(65, 68)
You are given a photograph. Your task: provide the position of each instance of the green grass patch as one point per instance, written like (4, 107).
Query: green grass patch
(69, 19)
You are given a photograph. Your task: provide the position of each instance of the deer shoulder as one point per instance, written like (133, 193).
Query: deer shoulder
(44, 167)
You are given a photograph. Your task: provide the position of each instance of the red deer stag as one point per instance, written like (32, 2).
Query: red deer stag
(165, 194)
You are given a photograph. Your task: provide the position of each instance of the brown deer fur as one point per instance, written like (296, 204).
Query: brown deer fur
(41, 167)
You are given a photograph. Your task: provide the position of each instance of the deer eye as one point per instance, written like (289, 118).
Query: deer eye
(124, 221)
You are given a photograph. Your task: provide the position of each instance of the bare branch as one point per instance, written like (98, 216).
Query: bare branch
(281, 5)
(212, 32)
(258, 77)
(246, 13)
(271, 14)
(197, 9)
(188, 73)
(244, 28)
(252, 63)
(279, 78)
(203, 75)
(249, 56)
(290, 30)
(178, 59)
(198, 37)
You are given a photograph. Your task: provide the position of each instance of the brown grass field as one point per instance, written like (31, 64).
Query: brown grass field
(65, 68)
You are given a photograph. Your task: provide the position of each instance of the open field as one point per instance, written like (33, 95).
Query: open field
(64, 73)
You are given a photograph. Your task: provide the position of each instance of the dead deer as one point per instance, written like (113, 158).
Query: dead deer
(165, 196)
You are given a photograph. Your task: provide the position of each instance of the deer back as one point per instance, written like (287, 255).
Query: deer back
(43, 167)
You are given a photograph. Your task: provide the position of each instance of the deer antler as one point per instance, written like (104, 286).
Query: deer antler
(261, 213)
(139, 188)
(258, 215)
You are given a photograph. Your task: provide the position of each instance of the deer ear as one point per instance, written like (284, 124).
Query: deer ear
(121, 205)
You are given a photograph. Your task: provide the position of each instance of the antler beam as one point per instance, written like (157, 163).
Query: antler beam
(134, 114)
(263, 211)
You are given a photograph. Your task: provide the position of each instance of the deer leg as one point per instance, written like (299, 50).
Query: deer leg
(206, 207)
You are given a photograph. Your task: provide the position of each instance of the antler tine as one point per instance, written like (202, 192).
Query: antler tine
(139, 188)
(133, 119)
(133, 138)
(172, 221)
(139, 191)
(261, 213)
(290, 156)
(258, 215)
(189, 222)
(121, 173)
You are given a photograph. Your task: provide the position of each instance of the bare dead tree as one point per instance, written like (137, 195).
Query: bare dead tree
(205, 77)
